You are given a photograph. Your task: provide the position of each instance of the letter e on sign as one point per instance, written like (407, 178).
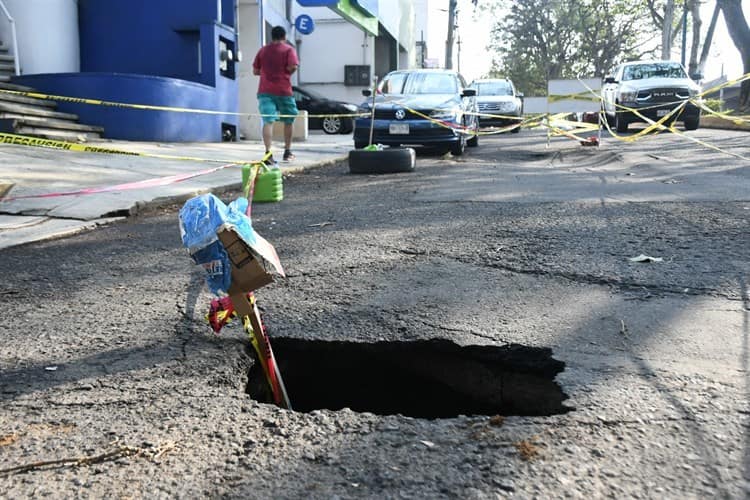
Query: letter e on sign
(304, 24)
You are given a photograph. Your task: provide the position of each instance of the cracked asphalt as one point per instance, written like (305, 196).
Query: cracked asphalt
(112, 385)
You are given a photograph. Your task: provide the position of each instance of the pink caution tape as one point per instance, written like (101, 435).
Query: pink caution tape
(159, 181)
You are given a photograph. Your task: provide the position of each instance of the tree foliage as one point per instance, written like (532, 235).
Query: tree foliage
(537, 40)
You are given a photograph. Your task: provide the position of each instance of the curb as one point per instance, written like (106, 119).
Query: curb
(235, 186)
(50, 228)
(721, 123)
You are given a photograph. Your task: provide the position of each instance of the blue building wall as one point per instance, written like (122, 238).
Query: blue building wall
(154, 52)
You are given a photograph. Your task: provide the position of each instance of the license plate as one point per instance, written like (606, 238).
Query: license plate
(662, 112)
(398, 128)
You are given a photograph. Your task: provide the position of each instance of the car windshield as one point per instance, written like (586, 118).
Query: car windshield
(420, 83)
(653, 70)
(494, 88)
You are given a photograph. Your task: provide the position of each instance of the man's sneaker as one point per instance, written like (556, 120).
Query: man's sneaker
(288, 155)
(270, 162)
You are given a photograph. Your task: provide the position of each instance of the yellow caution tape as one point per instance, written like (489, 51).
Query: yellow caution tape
(587, 95)
(152, 107)
(23, 140)
(659, 125)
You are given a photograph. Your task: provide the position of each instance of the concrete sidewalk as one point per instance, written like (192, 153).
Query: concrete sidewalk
(35, 171)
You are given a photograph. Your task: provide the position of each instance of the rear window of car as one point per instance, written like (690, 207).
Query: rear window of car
(494, 88)
(653, 70)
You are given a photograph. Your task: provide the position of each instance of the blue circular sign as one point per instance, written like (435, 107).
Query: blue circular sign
(304, 24)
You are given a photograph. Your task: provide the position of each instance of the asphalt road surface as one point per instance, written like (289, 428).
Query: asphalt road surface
(481, 318)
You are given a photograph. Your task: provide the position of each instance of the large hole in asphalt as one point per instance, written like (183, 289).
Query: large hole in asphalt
(423, 379)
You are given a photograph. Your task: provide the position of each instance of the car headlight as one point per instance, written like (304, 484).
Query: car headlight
(444, 114)
(350, 107)
(627, 94)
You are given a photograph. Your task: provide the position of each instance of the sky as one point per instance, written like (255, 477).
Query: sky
(474, 29)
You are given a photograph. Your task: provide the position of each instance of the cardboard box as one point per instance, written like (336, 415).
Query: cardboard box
(248, 271)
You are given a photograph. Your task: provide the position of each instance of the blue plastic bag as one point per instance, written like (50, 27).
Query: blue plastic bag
(200, 218)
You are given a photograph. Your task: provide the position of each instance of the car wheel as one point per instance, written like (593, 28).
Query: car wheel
(473, 141)
(693, 122)
(621, 123)
(332, 125)
(384, 161)
(457, 148)
(517, 129)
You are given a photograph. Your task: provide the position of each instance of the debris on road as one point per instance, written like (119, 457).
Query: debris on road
(5, 187)
(645, 258)
(591, 141)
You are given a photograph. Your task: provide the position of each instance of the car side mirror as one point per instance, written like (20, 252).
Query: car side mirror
(469, 93)
(520, 95)
(610, 79)
(696, 76)
(366, 92)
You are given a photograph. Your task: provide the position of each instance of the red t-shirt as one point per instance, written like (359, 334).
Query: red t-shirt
(273, 60)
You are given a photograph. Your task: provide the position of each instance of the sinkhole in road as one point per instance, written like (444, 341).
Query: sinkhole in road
(427, 379)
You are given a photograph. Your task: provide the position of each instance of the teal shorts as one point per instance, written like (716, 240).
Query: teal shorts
(271, 106)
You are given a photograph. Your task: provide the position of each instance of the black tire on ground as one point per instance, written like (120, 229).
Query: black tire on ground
(692, 123)
(515, 130)
(621, 123)
(347, 125)
(331, 125)
(384, 161)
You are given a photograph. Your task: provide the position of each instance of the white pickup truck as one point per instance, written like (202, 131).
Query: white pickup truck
(653, 89)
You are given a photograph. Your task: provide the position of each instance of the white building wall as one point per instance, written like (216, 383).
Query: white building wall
(250, 36)
(255, 22)
(333, 44)
(47, 35)
(323, 54)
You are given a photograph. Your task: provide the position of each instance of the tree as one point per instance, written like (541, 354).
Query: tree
(709, 39)
(739, 31)
(539, 40)
(663, 18)
(452, 5)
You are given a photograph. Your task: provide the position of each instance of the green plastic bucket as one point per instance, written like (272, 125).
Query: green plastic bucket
(268, 186)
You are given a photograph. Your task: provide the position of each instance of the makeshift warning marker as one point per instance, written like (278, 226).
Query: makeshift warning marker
(237, 261)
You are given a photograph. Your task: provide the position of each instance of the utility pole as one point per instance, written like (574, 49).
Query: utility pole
(449, 40)
(684, 30)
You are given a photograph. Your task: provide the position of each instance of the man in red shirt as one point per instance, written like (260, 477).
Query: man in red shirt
(275, 63)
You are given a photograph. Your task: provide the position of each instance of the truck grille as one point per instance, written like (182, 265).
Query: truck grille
(663, 94)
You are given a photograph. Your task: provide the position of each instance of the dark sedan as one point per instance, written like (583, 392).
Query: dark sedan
(318, 106)
(429, 108)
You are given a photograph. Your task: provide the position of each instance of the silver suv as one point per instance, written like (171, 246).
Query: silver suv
(498, 96)
(654, 89)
